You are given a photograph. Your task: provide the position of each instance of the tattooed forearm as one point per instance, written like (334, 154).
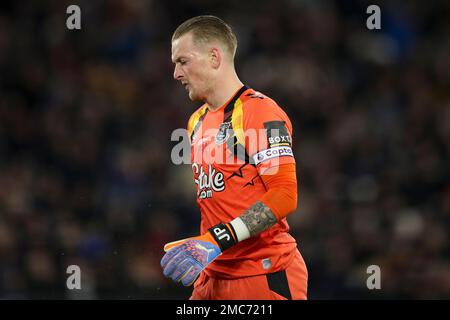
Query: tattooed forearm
(258, 218)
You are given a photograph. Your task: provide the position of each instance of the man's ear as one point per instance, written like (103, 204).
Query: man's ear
(215, 57)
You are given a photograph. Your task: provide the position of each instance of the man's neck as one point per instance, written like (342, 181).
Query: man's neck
(223, 92)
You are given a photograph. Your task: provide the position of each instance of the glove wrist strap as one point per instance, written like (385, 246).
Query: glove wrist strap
(224, 235)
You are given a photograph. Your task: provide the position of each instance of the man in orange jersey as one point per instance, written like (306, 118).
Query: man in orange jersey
(246, 182)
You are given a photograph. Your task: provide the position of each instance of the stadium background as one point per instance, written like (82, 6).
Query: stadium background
(86, 118)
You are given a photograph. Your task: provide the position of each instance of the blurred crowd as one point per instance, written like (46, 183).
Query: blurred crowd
(86, 118)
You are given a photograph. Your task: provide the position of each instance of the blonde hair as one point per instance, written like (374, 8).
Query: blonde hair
(207, 28)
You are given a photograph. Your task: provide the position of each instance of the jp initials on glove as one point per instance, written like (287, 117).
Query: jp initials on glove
(185, 259)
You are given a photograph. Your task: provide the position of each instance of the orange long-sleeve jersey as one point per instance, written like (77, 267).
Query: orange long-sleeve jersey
(242, 153)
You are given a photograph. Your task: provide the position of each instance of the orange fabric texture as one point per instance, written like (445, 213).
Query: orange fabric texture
(281, 195)
(254, 288)
(257, 112)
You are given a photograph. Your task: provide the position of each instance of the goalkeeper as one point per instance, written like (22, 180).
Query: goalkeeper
(245, 250)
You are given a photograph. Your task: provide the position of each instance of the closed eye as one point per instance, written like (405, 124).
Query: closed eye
(181, 61)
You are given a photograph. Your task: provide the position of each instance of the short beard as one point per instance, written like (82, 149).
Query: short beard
(200, 97)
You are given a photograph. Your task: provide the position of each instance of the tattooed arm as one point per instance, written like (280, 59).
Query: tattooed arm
(279, 201)
(258, 218)
(253, 221)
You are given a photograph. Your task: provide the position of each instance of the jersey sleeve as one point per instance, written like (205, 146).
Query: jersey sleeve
(281, 195)
(268, 134)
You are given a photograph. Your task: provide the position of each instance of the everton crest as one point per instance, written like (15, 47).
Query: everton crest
(224, 133)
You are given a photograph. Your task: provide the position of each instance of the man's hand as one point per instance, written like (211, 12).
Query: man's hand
(185, 259)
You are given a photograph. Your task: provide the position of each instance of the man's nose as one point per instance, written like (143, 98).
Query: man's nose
(177, 74)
